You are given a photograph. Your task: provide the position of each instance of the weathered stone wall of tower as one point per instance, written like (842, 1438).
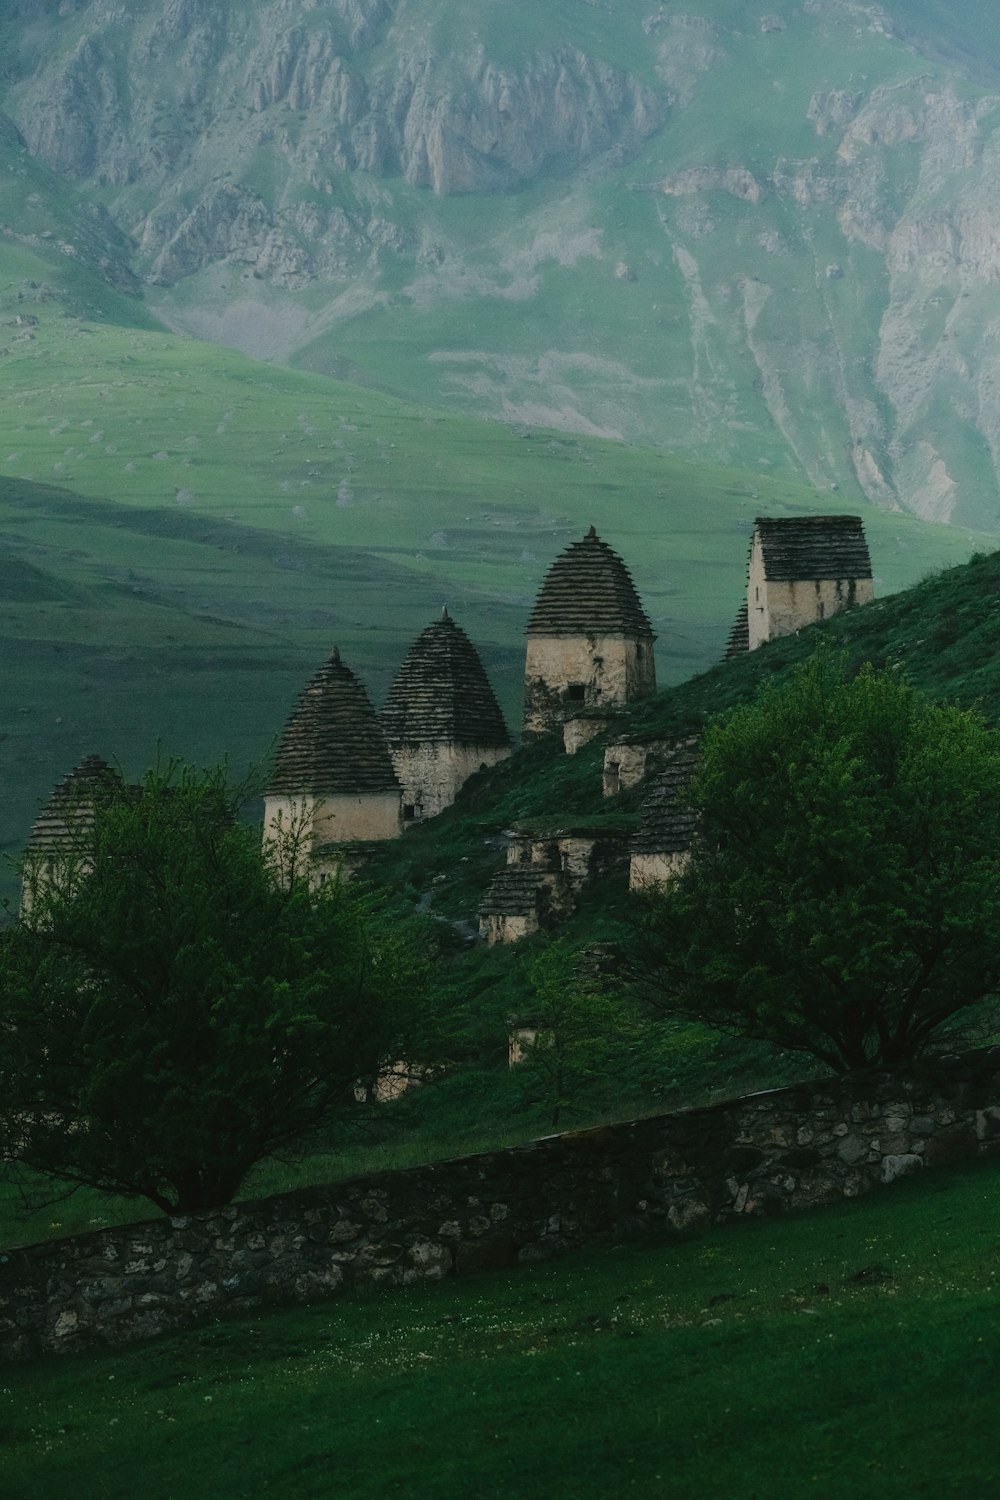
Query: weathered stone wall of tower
(563, 674)
(780, 607)
(40, 874)
(649, 870)
(296, 827)
(432, 775)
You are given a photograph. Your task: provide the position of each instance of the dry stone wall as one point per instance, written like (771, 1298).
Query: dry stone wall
(768, 1153)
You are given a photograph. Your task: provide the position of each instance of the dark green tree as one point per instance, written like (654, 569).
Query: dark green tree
(581, 1033)
(844, 897)
(171, 1013)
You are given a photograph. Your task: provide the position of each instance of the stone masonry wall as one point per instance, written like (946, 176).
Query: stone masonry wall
(340, 817)
(604, 670)
(432, 775)
(792, 1148)
(777, 608)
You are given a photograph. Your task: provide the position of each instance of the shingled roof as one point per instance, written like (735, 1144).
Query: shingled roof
(739, 637)
(515, 891)
(68, 816)
(813, 547)
(589, 591)
(442, 694)
(333, 741)
(669, 826)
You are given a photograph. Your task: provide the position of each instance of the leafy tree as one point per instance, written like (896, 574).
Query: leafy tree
(844, 898)
(582, 1031)
(171, 1013)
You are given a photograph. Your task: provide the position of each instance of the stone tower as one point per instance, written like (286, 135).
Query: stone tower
(441, 720)
(61, 835)
(333, 784)
(801, 569)
(590, 643)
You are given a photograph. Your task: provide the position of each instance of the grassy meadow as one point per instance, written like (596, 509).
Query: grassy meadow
(850, 1352)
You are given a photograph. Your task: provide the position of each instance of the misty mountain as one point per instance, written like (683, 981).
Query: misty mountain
(761, 236)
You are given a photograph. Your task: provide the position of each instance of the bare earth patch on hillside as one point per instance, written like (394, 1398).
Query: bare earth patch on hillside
(544, 392)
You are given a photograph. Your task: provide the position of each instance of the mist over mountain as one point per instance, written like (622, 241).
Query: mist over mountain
(761, 236)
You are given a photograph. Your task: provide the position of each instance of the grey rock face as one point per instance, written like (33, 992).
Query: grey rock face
(300, 85)
(844, 252)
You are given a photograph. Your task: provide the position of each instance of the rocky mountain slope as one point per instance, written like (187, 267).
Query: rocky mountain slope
(769, 236)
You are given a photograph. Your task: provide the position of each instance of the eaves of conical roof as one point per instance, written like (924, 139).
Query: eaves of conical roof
(738, 643)
(442, 694)
(589, 591)
(333, 742)
(515, 891)
(68, 816)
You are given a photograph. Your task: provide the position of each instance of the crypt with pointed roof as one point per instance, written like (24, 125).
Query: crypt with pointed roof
(442, 721)
(333, 785)
(590, 642)
(60, 838)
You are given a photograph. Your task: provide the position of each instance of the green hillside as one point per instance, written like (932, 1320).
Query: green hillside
(766, 240)
(944, 634)
(803, 1323)
(220, 525)
(59, 249)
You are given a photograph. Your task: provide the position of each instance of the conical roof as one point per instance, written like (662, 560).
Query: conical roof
(589, 591)
(441, 693)
(68, 815)
(333, 741)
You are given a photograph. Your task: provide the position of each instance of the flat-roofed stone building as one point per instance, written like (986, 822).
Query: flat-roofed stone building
(441, 720)
(544, 874)
(531, 893)
(333, 785)
(590, 642)
(662, 847)
(632, 759)
(801, 569)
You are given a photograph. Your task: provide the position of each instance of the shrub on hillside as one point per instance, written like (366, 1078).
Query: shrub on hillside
(170, 1013)
(843, 899)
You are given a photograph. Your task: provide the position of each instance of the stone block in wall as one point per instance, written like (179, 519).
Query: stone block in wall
(988, 1124)
(580, 730)
(903, 1165)
(764, 1197)
(689, 1213)
(852, 1149)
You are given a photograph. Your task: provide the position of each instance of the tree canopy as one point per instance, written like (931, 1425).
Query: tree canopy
(843, 898)
(171, 1013)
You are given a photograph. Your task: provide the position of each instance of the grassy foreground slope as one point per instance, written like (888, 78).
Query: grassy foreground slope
(851, 1352)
